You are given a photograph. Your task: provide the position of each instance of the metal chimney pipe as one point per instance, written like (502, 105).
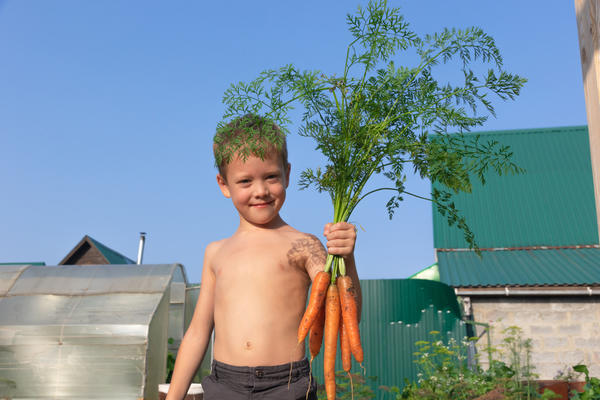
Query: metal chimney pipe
(141, 248)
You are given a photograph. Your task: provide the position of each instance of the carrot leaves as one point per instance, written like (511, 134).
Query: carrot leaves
(379, 118)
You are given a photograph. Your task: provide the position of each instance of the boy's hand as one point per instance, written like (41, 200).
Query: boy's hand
(341, 238)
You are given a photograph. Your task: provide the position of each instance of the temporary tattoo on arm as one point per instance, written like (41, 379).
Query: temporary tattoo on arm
(307, 252)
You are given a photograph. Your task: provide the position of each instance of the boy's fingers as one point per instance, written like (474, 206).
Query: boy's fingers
(340, 243)
(341, 234)
(342, 226)
(340, 252)
(343, 245)
(337, 250)
(327, 229)
(341, 238)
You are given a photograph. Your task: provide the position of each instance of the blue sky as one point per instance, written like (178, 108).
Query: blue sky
(107, 112)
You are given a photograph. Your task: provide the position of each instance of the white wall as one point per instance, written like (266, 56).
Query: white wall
(565, 330)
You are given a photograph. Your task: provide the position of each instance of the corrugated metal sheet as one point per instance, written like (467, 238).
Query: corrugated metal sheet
(551, 204)
(549, 267)
(397, 313)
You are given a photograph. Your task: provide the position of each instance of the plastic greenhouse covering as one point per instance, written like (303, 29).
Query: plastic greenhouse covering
(88, 331)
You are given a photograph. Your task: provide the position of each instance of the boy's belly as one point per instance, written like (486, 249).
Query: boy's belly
(259, 330)
(260, 349)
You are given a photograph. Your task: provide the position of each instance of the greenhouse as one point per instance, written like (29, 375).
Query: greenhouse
(88, 331)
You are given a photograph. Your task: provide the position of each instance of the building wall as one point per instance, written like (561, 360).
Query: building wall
(565, 331)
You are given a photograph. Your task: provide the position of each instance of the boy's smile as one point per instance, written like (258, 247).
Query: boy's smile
(256, 188)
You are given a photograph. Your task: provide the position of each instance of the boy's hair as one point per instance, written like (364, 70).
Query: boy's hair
(245, 136)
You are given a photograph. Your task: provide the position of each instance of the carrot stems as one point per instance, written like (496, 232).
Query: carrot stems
(342, 266)
(334, 274)
(328, 262)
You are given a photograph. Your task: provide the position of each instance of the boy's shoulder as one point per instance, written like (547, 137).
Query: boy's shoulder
(304, 241)
(213, 247)
(300, 242)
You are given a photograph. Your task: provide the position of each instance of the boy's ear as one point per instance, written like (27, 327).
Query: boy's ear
(223, 186)
(287, 174)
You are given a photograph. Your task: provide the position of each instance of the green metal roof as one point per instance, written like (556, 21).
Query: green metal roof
(551, 204)
(111, 256)
(540, 267)
(36, 263)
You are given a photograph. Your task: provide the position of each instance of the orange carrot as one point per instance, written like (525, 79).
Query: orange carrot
(317, 297)
(315, 337)
(350, 315)
(332, 324)
(345, 347)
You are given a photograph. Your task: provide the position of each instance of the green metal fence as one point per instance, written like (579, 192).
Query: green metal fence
(397, 313)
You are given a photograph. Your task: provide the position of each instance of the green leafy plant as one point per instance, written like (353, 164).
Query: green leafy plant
(444, 373)
(549, 394)
(591, 390)
(517, 351)
(170, 362)
(353, 386)
(171, 366)
(378, 118)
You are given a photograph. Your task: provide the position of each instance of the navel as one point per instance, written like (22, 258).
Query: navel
(248, 345)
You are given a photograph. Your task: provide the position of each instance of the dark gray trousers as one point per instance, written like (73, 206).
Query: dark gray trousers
(270, 382)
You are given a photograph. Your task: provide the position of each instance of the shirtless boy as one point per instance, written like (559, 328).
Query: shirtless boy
(255, 284)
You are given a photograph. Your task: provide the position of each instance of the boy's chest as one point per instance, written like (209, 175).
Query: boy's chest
(257, 259)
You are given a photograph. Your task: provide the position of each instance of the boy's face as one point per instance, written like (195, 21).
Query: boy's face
(256, 187)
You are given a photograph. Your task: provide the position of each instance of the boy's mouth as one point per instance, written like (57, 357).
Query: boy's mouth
(262, 205)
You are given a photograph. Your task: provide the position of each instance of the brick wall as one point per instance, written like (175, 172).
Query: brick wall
(565, 330)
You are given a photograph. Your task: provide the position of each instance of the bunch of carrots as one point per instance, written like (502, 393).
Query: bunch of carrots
(332, 311)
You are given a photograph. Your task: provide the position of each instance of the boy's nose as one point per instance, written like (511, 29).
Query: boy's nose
(262, 189)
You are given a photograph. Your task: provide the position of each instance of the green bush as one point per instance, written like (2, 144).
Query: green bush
(591, 390)
(444, 373)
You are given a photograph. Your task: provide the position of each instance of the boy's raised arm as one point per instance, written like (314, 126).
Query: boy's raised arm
(341, 238)
(195, 341)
